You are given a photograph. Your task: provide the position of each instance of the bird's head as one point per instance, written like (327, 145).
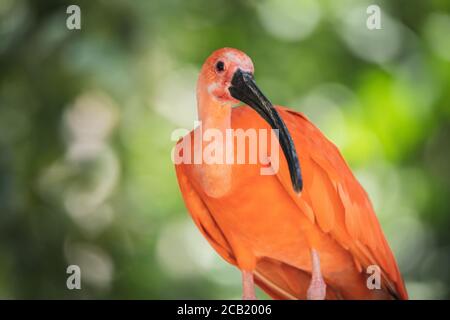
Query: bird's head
(219, 70)
(227, 76)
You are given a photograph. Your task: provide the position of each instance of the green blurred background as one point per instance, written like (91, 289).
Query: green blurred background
(86, 118)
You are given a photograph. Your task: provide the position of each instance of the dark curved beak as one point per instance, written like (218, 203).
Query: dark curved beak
(244, 88)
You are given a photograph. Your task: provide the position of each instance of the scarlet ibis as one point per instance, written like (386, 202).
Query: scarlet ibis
(306, 231)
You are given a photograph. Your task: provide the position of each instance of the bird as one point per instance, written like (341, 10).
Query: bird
(306, 230)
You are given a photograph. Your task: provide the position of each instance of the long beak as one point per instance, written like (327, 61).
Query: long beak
(244, 88)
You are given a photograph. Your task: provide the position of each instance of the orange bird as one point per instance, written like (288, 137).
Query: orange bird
(305, 230)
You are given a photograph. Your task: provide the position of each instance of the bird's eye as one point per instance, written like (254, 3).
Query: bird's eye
(220, 66)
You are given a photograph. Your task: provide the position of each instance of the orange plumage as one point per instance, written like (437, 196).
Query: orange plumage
(261, 225)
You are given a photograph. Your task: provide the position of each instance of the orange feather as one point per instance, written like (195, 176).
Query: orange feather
(259, 223)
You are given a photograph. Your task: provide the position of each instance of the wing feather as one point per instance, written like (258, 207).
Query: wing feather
(202, 216)
(348, 216)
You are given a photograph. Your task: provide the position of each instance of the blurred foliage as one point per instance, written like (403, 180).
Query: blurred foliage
(86, 118)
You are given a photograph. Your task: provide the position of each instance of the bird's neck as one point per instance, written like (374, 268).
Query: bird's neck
(214, 171)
